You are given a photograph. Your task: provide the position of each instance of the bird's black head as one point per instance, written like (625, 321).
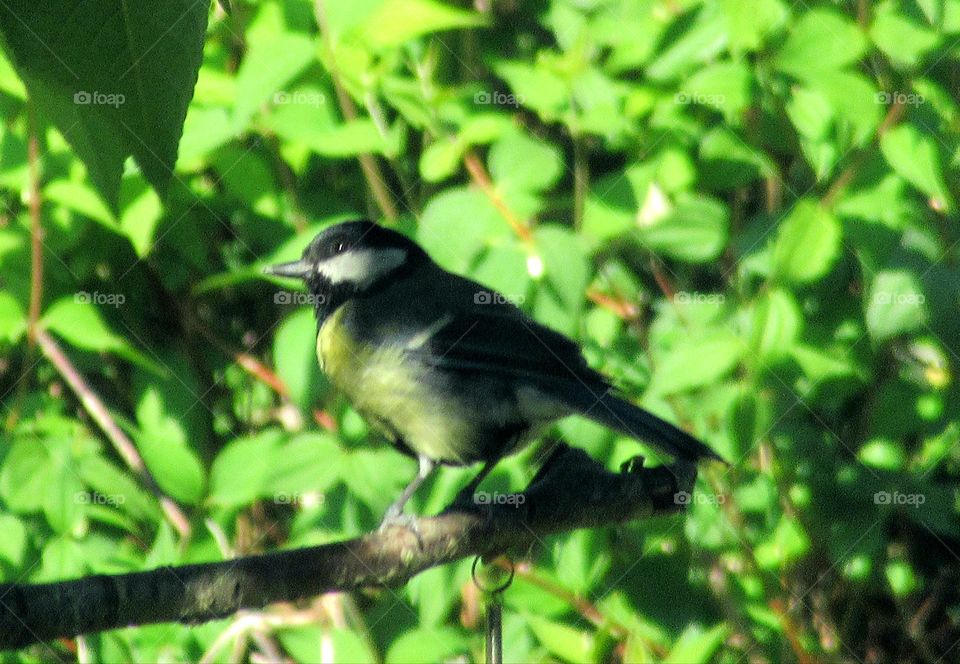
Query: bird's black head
(350, 259)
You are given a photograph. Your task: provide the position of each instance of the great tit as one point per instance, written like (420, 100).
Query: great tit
(450, 371)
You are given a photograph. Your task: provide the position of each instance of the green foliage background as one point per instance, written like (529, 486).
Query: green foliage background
(744, 211)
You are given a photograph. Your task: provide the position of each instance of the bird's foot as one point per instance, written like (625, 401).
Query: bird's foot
(397, 519)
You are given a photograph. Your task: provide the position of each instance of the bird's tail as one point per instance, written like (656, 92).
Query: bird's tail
(630, 420)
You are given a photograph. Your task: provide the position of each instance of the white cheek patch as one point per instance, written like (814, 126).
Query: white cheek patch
(362, 266)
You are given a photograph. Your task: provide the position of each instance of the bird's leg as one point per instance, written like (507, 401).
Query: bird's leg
(394, 514)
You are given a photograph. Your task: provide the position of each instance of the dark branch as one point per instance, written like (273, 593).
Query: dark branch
(572, 491)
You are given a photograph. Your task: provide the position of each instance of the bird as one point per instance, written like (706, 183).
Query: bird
(449, 371)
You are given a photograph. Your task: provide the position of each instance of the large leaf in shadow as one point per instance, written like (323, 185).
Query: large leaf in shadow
(114, 77)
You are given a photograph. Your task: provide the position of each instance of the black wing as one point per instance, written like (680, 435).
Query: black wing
(506, 343)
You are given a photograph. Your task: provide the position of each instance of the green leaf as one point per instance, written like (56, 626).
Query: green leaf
(437, 644)
(725, 86)
(702, 40)
(563, 641)
(819, 365)
(117, 488)
(729, 162)
(902, 39)
(810, 112)
(696, 646)
(176, 468)
(316, 644)
(807, 244)
(853, 98)
(163, 444)
(777, 323)
(449, 238)
(903, 579)
(822, 39)
(81, 198)
(916, 157)
(788, 543)
(432, 607)
(13, 544)
(240, 472)
(79, 322)
(77, 319)
(883, 454)
(117, 83)
(310, 462)
(398, 21)
(749, 23)
(441, 159)
(294, 351)
(141, 211)
(62, 558)
(274, 56)
(610, 208)
(13, 322)
(566, 270)
(695, 230)
(64, 497)
(537, 88)
(341, 140)
(695, 362)
(520, 162)
(896, 304)
(505, 268)
(25, 476)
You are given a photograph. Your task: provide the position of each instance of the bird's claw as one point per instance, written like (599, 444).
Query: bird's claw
(396, 519)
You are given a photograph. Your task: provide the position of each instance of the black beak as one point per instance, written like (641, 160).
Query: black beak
(295, 269)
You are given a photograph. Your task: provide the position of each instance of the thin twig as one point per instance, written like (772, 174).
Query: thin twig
(581, 180)
(36, 260)
(36, 230)
(481, 178)
(99, 413)
(368, 163)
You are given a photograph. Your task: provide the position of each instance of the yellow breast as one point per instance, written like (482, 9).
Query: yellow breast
(392, 394)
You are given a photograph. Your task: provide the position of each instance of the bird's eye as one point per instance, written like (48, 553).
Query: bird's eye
(340, 248)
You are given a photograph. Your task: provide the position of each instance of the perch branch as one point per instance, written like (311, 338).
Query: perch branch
(571, 491)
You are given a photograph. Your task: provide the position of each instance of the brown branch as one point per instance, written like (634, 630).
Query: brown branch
(36, 230)
(36, 258)
(121, 442)
(481, 178)
(572, 491)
